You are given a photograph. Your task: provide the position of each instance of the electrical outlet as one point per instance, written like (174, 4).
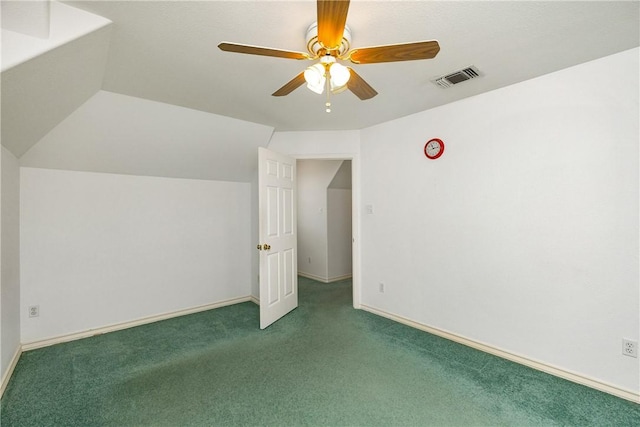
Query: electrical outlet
(629, 348)
(34, 310)
(381, 287)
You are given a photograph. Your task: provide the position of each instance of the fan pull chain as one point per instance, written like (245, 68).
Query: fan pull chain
(328, 89)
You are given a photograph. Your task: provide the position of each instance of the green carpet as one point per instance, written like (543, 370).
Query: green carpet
(324, 364)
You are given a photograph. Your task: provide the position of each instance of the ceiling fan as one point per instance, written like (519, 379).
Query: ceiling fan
(329, 40)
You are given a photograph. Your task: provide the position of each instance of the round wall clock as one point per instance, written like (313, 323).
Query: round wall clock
(434, 148)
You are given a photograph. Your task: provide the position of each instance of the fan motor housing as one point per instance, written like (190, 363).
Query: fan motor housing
(314, 46)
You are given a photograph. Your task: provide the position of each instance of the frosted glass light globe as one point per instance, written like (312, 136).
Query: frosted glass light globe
(314, 76)
(339, 75)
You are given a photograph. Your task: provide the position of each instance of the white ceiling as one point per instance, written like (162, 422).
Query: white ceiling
(38, 94)
(167, 52)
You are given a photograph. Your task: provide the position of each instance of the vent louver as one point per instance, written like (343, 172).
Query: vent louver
(456, 77)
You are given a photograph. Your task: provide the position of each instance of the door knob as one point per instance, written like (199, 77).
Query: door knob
(259, 247)
(266, 247)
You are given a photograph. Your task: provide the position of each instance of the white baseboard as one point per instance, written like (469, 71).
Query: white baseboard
(540, 366)
(338, 278)
(313, 277)
(324, 279)
(125, 325)
(12, 365)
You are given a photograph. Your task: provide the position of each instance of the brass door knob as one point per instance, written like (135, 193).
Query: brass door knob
(266, 247)
(259, 247)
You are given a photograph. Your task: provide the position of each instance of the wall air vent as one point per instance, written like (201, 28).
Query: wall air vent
(456, 77)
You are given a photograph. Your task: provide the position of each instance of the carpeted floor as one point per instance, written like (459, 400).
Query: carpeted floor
(324, 364)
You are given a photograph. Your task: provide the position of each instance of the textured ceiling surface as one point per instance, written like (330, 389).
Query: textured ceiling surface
(39, 93)
(167, 52)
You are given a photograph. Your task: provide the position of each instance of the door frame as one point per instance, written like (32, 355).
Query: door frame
(355, 215)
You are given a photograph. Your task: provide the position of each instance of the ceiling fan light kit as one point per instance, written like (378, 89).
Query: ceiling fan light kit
(327, 73)
(329, 40)
(315, 78)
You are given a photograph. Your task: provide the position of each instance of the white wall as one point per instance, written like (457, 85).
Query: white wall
(27, 17)
(34, 27)
(10, 261)
(304, 145)
(524, 234)
(126, 135)
(255, 238)
(339, 256)
(339, 224)
(45, 80)
(100, 249)
(313, 178)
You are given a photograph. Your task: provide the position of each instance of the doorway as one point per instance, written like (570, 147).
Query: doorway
(325, 237)
(271, 282)
(355, 219)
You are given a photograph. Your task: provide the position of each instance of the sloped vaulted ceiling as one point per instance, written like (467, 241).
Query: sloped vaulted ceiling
(121, 134)
(165, 51)
(44, 79)
(54, 114)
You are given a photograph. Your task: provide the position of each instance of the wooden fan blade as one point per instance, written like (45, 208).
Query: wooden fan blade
(332, 17)
(359, 87)
(292, 85)
(265, 51)
(395, 52)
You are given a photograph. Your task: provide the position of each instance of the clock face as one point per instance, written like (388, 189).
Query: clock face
(434, 148)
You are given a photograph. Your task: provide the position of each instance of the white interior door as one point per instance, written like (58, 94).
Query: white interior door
(277, 232)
